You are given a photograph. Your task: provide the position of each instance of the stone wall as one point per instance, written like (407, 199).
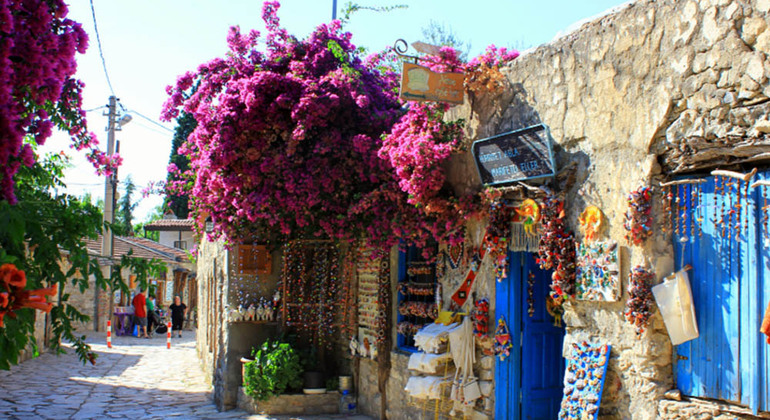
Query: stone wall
(223, 286)
(645, 91)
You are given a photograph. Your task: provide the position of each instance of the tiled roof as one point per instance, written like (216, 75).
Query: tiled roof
(143, 248)
(171, 224)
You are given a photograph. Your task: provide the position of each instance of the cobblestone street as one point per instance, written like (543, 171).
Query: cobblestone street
(137, 378)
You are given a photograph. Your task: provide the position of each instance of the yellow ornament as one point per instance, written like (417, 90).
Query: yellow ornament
(529, 211)
(591, 222)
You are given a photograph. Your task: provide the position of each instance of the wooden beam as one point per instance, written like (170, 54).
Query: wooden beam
(736, 175)
(683, 181)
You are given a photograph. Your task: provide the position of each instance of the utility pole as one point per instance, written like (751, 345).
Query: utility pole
(108, 236)
(334, 9)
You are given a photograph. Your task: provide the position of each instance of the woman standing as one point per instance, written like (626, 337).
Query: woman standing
(178, 312)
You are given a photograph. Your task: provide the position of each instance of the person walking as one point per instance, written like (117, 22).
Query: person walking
(152, 316)
(140, 313)
(178, 313)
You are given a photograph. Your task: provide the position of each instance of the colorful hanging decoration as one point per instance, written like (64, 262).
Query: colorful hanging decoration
(598, 271)
(427, 310)
(591, 222)
(557, 249)
(529, 215)
(639, 305)
(503, 343)
(555, 309)
(454, 253)
(312, 291)
(497, 237)
(480, 317)
(584, 381)
(530, 294)
(638, 222)
(383, 301)
(667, 196)
(461, 294)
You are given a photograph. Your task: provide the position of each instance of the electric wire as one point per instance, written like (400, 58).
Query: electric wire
(101, 52)
(133, 111)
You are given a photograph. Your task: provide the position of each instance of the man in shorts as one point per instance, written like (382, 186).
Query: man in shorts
(140, 313)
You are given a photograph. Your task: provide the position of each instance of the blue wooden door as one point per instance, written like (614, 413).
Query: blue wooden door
(528, 384)
(542, 364)
(730, 292)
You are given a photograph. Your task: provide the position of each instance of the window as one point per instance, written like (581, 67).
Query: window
(180, 244)
(416, 295)
(254, 259)
(730, 282)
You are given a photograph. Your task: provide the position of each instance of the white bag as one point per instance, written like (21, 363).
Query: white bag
(674, 298)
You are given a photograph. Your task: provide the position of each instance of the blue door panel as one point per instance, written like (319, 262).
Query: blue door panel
(534, 370)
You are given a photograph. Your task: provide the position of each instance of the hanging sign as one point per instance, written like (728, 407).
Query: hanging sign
(515, 156)
(420, 83)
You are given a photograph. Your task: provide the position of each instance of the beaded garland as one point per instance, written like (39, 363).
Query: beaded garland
(312, 290)
(639, 304)
(383, 305)
(638, 223)
(557, 249)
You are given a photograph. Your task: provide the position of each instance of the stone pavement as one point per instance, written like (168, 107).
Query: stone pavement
(136, 379)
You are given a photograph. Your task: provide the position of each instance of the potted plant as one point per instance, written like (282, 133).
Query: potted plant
(276, 367)
(314, 376)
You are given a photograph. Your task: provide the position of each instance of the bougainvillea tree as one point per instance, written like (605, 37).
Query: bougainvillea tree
(38, 93)
(301, 138)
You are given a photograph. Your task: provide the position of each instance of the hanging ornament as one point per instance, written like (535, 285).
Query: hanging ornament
(557, 249)
(555, 309)
(530, 294)
(746, 220)
(454, 254)
(496, 240)
(677, 208)
(503, 342)
(667, 196)
(638, 222)
(700, 210)
(480, 317)
(529, 213)
(639, 304)
(591, 222)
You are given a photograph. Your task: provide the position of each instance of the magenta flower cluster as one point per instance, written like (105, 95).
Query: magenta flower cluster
(37, 89)
(303, 138)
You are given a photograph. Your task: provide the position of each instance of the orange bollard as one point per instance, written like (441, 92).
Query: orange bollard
(109, 334)
(168, 336)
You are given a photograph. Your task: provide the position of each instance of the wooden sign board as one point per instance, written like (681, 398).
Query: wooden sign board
(515, 156)
(419, 83)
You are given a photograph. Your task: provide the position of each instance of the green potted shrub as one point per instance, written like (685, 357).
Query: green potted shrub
(276, 368)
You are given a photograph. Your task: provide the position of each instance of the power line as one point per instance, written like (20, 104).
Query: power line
(153, 129)
(96, 109)
(133, 111)
(101, 53)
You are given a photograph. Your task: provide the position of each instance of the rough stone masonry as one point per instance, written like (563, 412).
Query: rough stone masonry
(659, 87)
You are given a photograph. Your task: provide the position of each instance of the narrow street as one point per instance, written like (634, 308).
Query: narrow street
(136, 379)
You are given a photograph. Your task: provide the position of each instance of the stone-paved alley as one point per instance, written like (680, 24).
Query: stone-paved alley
(136, 379)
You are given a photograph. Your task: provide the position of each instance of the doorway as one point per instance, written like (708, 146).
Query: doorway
(528, 384)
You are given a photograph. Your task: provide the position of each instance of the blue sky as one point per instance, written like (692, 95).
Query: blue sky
(147, 43)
